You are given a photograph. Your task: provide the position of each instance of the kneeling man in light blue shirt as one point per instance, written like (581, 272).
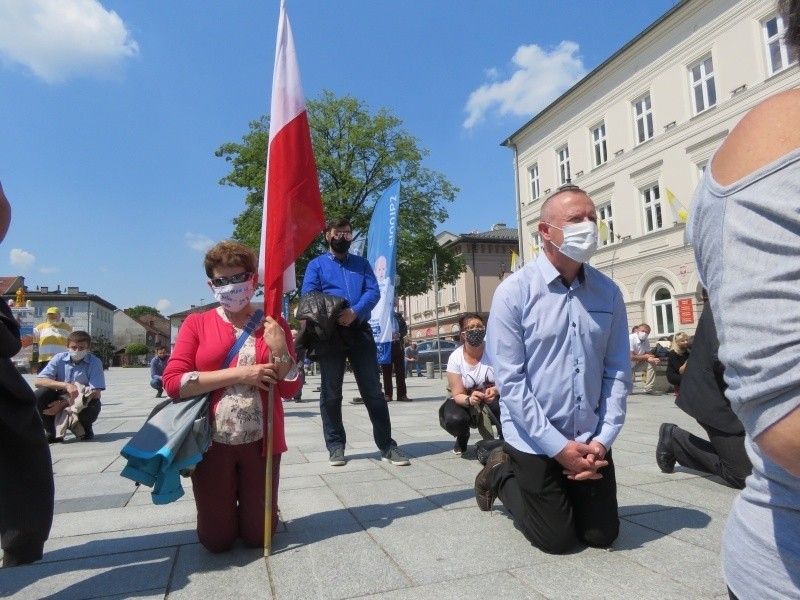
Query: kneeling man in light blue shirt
(558, 337)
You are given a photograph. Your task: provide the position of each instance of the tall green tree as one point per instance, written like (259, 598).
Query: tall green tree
(140, 310)
(358, 155)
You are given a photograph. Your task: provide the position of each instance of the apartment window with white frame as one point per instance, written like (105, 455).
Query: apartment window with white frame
(643, 119)
(69, 312)
(416, 304)
(427, 301)
(563, 165)
(663, 311)
(453, 293)
(778, 56)
(701, 78)
(605, 222)
(536, 242)
(38, 311)
(535, 188)
(599, 144)
(440, 297)
(651, 206)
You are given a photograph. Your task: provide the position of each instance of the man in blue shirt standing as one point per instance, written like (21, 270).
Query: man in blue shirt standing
(57, 381)
(339, 273)
(558, 337)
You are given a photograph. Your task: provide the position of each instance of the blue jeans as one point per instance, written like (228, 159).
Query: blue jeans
(157, 385)
(362, 354)
(410, 366)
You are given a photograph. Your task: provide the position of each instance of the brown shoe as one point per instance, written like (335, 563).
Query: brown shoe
(404, 399)
(484, 494)
(387, 398)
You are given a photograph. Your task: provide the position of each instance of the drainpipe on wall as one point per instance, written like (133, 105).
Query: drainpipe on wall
(475, 283)
(513, 146)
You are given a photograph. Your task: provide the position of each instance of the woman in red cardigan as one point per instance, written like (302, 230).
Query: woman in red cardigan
(229, 482)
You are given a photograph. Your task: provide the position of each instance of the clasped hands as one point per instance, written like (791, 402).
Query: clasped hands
(260, 376)
(488, 396)
(581, 461)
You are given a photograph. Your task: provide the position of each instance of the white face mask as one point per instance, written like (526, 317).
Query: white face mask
(78, 355)
(642, 335)
(235, 296)
(580, 241)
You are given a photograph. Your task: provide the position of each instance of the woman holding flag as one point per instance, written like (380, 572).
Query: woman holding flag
(229, 483)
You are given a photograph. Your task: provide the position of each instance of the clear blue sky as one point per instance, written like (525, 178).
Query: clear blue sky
(111, 110)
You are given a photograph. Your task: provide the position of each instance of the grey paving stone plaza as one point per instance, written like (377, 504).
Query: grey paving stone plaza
(369, 529)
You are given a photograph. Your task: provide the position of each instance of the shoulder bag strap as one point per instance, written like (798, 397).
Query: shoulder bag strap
(248, 329)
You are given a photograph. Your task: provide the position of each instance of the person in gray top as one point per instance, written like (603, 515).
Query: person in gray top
(745, 228)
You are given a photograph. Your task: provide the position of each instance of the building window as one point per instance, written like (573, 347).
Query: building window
(599, 144)
(38, 311)
(563, 165)
(68, 312)
(453, 294)
(605, 223)
(643, 115)
(440, 297)
(416, 304)
(427, 301)
(663, 312)
(651, 203)
(701, 78)
(778, 57)
(536, 242)
(535, 189)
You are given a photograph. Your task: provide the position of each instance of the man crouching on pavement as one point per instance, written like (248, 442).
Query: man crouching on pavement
(67, 374)
(558, 337)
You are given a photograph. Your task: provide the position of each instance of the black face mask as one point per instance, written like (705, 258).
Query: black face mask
(340, 246)
(474, 337)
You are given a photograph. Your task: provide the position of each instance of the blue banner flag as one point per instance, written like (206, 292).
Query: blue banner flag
(382, 255)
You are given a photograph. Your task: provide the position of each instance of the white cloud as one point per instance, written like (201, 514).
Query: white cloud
(21, 258)
(539, 77)
(198, 241)
(60, 39)
(163, 305)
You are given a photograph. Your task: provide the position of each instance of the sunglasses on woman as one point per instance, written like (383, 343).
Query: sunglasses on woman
(223, 281)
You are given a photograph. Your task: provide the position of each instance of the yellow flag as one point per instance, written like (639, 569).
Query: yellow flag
(513, 261)
(534, 246)
(602, 226)
(679, 211)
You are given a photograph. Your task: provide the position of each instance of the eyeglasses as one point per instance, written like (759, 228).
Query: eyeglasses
(337, 235)
(222, 281)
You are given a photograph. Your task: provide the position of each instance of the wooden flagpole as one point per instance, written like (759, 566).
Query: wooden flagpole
(270, 466)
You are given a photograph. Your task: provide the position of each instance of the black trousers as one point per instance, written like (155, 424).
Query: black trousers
(46, 396)
(553, 512)
(26, 472)
(457, 418)
(724, 455)
(398, 363)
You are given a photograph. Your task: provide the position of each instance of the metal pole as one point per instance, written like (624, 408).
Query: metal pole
(436, 311)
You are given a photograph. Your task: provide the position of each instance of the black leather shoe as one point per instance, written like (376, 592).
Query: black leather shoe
(484, 494)
(664, 456)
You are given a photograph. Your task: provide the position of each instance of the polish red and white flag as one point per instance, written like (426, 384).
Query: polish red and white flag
(293, 214)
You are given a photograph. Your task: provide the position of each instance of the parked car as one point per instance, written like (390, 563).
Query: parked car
(429, 352)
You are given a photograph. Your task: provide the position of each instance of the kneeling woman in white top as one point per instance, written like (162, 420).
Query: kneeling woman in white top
(471, 381)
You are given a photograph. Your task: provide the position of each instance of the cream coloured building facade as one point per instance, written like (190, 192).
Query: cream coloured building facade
(487, 256)
(639, 130)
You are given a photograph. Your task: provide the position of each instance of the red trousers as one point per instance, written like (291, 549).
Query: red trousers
(229, 492)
